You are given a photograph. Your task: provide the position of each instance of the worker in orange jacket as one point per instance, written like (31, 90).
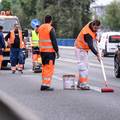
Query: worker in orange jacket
(83, 44)
(15, 39)
(49, 50)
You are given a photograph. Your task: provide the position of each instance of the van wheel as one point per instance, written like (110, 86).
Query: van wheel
(116, 68)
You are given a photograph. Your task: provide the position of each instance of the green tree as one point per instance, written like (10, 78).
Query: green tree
(112, 16)
(29, 10)
(17, 11)
(5, 5)
(25, 10)
(69, 16)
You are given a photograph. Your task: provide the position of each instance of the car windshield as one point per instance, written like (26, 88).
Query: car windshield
(114, 39)
(8, 23)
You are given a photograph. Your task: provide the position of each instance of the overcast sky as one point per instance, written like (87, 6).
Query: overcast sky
(102, 2)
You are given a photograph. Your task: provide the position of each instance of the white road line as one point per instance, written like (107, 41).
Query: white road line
(56, 77)
(91, 64)
(95, 88)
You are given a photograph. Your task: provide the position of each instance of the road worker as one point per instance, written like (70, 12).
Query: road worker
(15, 41)
(35, 47)
(83, 44)
(2, 45)
(49, 51)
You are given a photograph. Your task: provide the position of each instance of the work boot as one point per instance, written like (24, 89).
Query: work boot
(83, 86)
(46, 88)
(13, 71)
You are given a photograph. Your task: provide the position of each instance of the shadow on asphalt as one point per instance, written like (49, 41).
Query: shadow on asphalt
(6, 68)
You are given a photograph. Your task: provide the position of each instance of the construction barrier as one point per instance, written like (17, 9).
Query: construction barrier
(65, 42)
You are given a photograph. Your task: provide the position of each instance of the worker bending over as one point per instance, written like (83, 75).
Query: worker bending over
(83, 44)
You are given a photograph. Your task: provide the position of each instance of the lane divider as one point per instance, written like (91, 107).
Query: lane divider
(91, 64)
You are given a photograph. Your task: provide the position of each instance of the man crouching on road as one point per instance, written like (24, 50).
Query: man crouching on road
(48, 48)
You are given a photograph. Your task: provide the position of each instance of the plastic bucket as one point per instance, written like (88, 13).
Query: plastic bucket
(69, 82)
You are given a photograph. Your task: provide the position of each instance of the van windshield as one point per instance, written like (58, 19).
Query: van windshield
(8, 24)
(114, 39)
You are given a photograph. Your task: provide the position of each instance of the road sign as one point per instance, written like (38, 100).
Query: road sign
(35, 22)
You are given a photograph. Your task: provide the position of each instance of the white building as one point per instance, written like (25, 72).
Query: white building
(98, 7)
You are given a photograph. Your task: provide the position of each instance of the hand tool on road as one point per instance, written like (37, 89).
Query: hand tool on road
(106, 88)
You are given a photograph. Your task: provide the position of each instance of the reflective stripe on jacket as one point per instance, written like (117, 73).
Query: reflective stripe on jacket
(12, 38)
(35, 39)
(80, 42)
(44, 38)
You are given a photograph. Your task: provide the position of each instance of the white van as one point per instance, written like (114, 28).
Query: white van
(109, 42)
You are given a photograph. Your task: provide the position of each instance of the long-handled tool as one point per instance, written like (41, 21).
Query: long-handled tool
(106, 88)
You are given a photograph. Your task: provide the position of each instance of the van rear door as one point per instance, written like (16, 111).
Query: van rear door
(114, 41)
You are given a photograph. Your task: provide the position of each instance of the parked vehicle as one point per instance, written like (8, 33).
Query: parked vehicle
(117, 63)
(109, 42)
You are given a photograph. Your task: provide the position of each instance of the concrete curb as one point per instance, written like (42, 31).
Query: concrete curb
(19, 111)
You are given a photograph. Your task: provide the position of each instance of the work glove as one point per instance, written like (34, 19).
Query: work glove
(57, 55)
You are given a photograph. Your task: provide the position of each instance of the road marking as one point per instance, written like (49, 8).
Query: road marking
(91, 64)
(95, 88)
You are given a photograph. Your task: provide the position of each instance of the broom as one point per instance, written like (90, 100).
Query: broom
(106, 88)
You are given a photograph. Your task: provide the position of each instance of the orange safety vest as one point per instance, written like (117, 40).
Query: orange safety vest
(45, 43)
(12, 38)
(80, 42)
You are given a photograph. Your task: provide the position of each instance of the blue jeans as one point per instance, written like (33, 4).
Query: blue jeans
(16, 56)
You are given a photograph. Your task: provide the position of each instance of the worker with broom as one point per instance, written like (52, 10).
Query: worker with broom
(83, 44)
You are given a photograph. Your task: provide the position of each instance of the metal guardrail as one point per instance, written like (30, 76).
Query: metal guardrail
(12, 110)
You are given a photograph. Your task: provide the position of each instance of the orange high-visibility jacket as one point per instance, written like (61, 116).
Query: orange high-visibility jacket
(12, 38)
(45, 43)
(80, 42)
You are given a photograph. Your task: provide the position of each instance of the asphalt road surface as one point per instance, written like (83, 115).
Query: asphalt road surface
(65, 104)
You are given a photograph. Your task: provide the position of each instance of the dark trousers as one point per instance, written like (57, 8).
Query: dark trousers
(47, 56)
(16, 56)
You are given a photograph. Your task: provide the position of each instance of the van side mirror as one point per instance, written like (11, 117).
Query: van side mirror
(25, 33)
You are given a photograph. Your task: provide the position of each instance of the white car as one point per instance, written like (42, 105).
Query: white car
(109, 42)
